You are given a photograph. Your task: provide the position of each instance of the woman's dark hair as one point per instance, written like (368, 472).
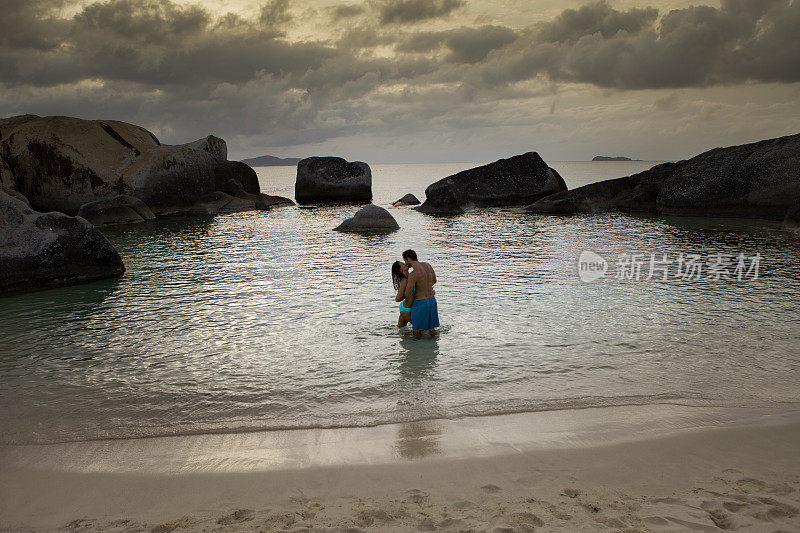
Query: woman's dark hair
(397, 274)
(410, 254)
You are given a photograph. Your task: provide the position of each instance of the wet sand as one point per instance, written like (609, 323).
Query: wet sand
(653, 468)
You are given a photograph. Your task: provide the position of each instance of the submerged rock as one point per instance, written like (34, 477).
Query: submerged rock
(408, 199)
(757, 180)
(332, 179)
(221, 202)
(40, 250)
(370, 218)
(518, 180)
(120, 209)
(276, 201)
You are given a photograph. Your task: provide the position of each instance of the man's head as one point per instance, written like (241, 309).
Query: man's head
(409, 256)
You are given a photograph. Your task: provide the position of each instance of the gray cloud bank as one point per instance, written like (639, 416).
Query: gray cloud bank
(180, 70)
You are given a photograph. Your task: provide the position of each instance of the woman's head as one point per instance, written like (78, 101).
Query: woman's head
(399, 273)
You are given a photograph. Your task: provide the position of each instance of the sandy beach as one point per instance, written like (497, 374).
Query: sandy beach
(654, 468)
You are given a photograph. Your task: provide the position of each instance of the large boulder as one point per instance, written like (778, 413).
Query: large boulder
(757, 180)
(224, 171)
(122, 209)
(170, 179)
(332, 179)
(40, 250)
(370, 218)
(61, 163)
(213, 145)
(518, 180)
(408, 199)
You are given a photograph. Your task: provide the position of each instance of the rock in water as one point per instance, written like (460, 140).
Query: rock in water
(408, 199)
(171, 179)
(61, 163)
(224, 171)
(40, 250)
(757, 180)
(370, 218)
(120, 209)
(518, 180)
(332, 179)
(213, 145)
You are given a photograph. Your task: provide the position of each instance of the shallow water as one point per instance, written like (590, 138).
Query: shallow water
(266, 320)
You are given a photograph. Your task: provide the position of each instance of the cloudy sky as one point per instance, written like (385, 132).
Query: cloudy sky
(414, 80)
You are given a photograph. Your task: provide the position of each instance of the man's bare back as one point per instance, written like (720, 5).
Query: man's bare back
(422, 278)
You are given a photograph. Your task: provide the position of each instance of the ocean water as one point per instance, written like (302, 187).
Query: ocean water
(267, 320)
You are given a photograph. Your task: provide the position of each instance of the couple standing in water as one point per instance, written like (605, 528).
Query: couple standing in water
(414, 281)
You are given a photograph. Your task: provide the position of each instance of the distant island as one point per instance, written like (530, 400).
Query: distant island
(609, 158)
(271, 161)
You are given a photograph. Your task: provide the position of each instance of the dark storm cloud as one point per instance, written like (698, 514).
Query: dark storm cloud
(466, 45)
(572, 24)
(347, 11)
(413, 11)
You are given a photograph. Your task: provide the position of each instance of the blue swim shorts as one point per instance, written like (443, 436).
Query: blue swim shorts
(424, 314)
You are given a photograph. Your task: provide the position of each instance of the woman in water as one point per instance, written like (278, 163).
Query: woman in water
(400, 280)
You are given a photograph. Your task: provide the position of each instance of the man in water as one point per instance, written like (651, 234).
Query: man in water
(424, 312)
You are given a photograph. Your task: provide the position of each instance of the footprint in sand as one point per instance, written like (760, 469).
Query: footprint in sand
(81, 524)
(526, 519)
(367, 517)
(491, 489)
(416, 496)
(572, 493)
(182, 522)
(463, 504)
(236, 517)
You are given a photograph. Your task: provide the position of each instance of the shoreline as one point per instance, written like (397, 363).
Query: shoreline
(660, 469)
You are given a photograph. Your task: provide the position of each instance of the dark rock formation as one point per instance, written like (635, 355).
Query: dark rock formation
(370, 218)
(170, 179)
(62, 163)
(271, 161)
(518, 180)
(221, 202)
(120, 209)
(224, 171)
(276, 201)
(408, 199)
(332, 179)
(213, 145)
(40, 250)
(757, 180)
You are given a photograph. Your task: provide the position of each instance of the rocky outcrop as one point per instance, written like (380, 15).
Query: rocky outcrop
(370, 218)
(40, 250)
(213, 145)
(170, 179)
(518, 180)
(120, 209)
(332, 179)
(224, 171)
(62, 163)
(757, 180)
(408, 199)
(221, 202)
(276, 201)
